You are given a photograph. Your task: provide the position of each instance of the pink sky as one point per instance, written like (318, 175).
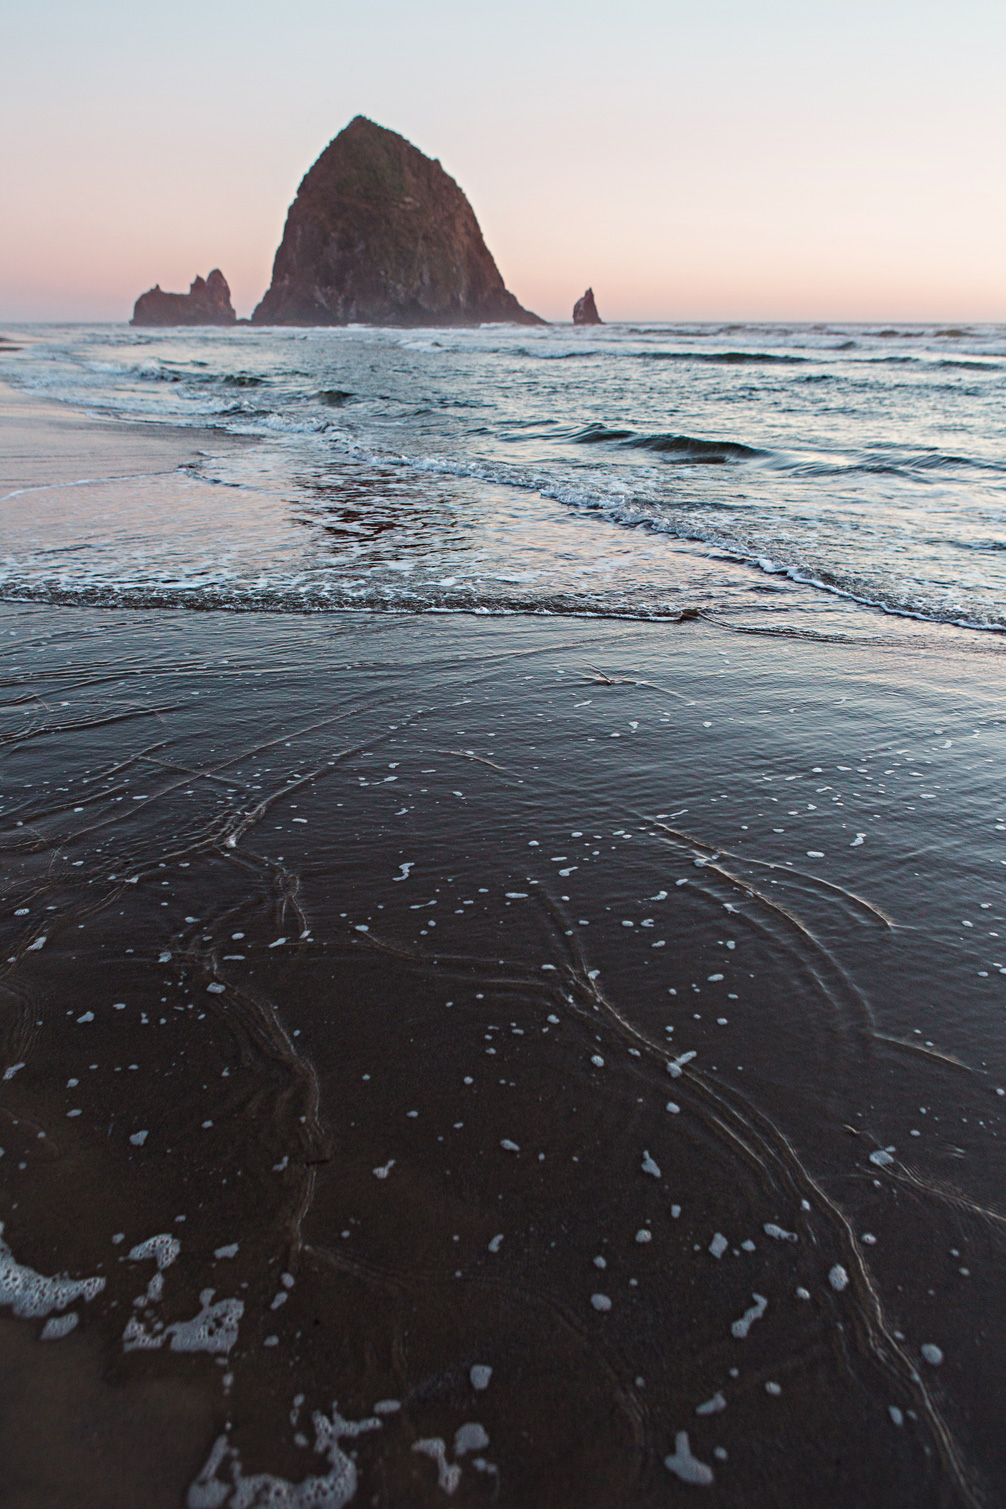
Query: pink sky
(727, 159)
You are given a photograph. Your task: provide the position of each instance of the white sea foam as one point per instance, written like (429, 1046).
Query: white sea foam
(470, 1437)
(742, 1327)
(686, 1466)
(846, 511)
(448, 1474)
(32, 1295)
(164, 1249)
(331, 1490)
(58, 1326)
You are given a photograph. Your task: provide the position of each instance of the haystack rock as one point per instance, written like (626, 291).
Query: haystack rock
(585, 310)
(208, 302)
(380, 235)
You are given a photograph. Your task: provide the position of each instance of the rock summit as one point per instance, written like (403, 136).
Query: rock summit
(379, 234)
(208, 302)
(585, 310)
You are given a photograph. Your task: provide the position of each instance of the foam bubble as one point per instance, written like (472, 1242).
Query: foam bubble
(448, 1474)
(59, 1325)
(163, 1249)
(740, 1328)
(470, 1437)
(686, 1467)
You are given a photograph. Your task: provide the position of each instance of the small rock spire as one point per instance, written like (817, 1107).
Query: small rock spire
(585, 310)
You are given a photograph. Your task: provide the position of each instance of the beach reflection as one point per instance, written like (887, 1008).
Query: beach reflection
(544, 1040)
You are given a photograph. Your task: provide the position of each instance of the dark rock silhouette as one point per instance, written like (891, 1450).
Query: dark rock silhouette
(379, 234)
(585, 310)
(208, 302)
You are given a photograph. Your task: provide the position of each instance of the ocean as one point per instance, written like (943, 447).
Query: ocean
(785, 473)
(504, 1003)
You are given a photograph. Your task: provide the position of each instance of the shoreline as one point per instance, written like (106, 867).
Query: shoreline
(542, 1035)
(47, 443)
(54, 444)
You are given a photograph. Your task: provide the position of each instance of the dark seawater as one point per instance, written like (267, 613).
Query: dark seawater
(629, 470)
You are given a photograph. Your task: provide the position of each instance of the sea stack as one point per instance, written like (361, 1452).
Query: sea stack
(208, 302)
(585, 310)
(380, 235)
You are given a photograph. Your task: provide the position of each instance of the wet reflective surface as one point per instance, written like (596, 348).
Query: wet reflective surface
(618, 471)
(503, 1061)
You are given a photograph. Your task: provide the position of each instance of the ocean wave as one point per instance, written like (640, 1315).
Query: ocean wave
(599, 434)
(940, 460)
(853, 489)
(162, 374)
(277, 599)
(688, 448)
(544, 354)
(934, 364)
(893, 464)
(202, 379)
(601, 349)
(980, 547)
(725, 358)
(682, 447)
(971, 366)
(336, 597)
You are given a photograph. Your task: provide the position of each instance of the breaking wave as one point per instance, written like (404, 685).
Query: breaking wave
(450, 474)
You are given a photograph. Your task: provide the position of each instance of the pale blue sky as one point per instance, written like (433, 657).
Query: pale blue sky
(717, 160)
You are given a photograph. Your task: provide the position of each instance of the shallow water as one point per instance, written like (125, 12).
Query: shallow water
(520, 1061)
(785, 472)
(503, 1058)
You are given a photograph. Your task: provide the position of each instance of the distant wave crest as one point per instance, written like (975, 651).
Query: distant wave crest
(679, 447)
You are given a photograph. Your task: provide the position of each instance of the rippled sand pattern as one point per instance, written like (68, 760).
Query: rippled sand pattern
(506, 1064)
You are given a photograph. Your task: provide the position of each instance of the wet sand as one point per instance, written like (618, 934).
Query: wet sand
(506, 1060)
(45, 445)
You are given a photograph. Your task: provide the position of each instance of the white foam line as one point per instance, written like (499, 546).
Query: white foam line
(46, 487)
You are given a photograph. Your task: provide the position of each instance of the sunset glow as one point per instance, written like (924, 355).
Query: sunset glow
(688, 161)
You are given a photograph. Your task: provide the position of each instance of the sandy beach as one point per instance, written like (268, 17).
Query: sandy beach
(502, 752)
(531, 1061)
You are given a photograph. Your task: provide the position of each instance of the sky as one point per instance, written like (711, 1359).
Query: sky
(690, 159)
